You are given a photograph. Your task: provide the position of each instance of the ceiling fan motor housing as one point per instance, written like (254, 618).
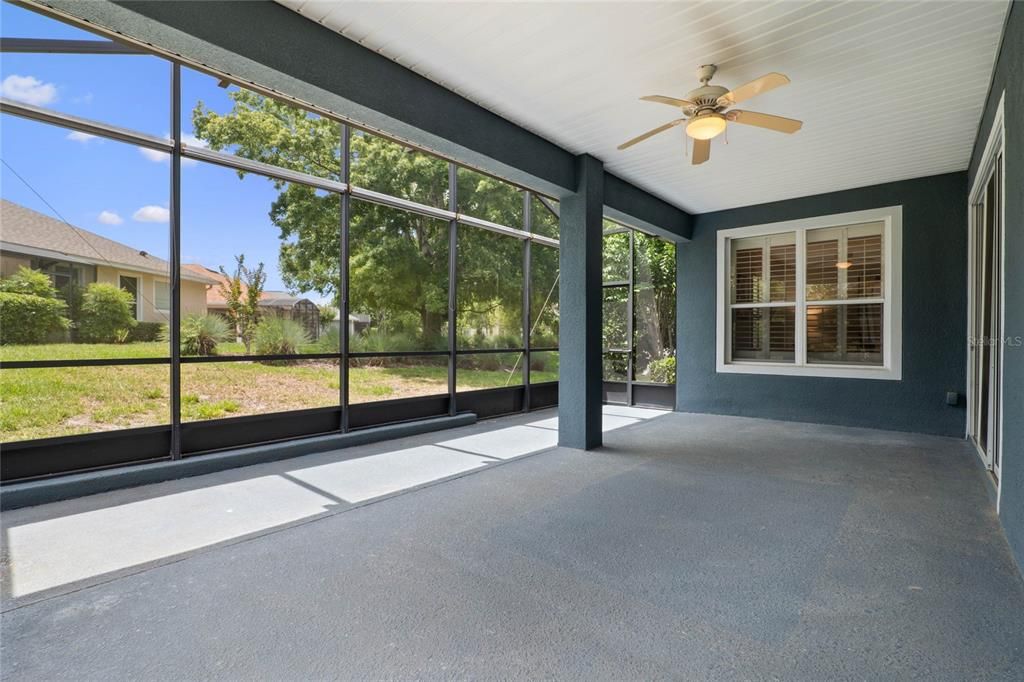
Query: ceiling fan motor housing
(706, 97)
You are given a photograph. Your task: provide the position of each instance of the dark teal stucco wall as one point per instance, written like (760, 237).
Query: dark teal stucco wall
(1009, 79)
(934, 318)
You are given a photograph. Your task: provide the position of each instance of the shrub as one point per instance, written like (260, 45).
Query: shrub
(146, 332)
(25, 318)
(544, 362)
(106, 310)
(663, 371)
(279, 336)
(73, 293)
(379, 341)
(30, 282)
(200, 334)
(329, 341)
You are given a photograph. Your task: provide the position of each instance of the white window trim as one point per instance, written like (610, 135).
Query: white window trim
(892, 323)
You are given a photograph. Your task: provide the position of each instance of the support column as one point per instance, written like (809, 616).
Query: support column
(579, 305)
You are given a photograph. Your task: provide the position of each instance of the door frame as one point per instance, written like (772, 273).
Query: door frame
(995, 148)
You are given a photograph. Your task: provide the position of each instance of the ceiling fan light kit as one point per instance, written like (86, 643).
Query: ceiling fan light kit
(706, 111)
(706, 126)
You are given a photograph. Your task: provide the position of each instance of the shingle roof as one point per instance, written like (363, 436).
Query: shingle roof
(20, 226)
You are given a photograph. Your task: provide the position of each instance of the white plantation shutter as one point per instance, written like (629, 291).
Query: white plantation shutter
(822, 273)
(845, 264)
(864, 276)
(764, 275)
(748, 270)
(782, 272)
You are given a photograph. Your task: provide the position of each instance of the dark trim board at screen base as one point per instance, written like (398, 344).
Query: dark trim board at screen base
(659, 396)
(68, 454)
(43, 491)
(934, 274)
(654, 395)
(200, 437)
(49, 456)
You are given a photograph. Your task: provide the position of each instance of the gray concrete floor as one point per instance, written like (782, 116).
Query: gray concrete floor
(690, 546)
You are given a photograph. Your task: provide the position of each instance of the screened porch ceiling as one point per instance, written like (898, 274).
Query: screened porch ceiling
(886, 90)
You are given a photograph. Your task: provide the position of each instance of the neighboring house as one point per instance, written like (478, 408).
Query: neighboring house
(70, 254)
(279, 303)
(357, 322)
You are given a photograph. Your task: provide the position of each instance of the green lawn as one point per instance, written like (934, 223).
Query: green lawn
(41, 403)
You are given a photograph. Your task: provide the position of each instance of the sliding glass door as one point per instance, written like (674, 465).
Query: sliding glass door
(986, 317)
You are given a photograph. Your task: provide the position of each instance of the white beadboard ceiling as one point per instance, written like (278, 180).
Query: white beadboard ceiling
(887, 90)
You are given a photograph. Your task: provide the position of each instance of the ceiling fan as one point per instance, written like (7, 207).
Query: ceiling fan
(706, 111)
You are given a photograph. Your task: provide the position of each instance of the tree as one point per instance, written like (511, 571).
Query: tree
(327, 314)
(242, 291)
(398, 260)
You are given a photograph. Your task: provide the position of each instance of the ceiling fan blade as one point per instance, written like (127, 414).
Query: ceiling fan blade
(767, 82)
(671, 101)
(777, 123)
(701, 151)
(650, 133)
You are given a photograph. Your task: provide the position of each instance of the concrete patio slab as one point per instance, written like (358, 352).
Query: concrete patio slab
(690, 546)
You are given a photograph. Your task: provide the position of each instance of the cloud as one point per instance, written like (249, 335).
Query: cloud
(192, 141)
(79, 136)
(28, 89)
(152, 214)
(110, 218)
(161, 157)
(155, 155)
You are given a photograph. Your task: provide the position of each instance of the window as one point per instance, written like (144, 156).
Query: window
(223, 118)
(384, 166)
(815, 297)
(638, 317)
(126, 90)
(490, 290)
(162, 296)
(544, 216)
(483, 196)
(95, 228)
(654, 310)
(398, 280)
(543, 296)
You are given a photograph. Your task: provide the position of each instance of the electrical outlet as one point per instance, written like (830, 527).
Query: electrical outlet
(952, 398)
